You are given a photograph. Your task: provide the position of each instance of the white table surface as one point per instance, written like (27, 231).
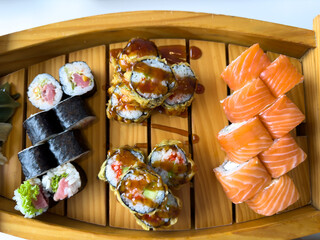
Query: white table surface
(17, 15)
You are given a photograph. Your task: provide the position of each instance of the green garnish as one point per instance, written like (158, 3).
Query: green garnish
(28, 193)
(150, 194)
(73, 85)
(124, 169)
(55, 181)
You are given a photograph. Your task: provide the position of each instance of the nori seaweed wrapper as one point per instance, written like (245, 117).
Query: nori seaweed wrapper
(36, 160)
(83, 176)
(73, 113)
(42, 126)
(67, 146)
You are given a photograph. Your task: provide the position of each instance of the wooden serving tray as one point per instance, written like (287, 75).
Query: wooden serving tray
(207, 213)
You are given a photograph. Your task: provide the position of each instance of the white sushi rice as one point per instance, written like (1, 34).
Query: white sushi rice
(228, 167)
(73, 178)
(183, 70)
(231, 128)
(66, 78)
(17, 198)
(40, 81)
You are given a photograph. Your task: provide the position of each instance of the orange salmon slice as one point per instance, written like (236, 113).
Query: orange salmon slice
(247, 102)
(281, 117)
(279, 195)
(242, 181)
(281, 76)
(246, 67)
(282, 156)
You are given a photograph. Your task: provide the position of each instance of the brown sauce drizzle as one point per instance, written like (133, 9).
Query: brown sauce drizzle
(114, 53)
(200, 89)
(195, 53)
(173, 53)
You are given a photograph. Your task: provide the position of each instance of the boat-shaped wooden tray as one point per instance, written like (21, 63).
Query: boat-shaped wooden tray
(207, 213)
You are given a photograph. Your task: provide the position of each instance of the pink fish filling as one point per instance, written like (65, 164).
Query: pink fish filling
(80, 80)
(48, 93)
(41, 202)
(61, 191)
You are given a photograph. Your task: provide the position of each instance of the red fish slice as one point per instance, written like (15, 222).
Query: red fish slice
(247, 102)
(281, 117)
(281, 76)
(242, 181)
(282, 156)
(246, 67)
(276, 197)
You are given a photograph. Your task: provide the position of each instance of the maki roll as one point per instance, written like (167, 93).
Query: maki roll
(42, 126)
(171, 162)
(67, 146)
(152, 81)
(141, 190)
(164, 217)
(118, 162)
(73, 113)
(44, 92)
(76, 78)
(32, 200)
(36, 160)
(64, 181)
(123, 107)
(183, 95)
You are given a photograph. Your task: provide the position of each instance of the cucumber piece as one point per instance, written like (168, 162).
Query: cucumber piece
(150, 194)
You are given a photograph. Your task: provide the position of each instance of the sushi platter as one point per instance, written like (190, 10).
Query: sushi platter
(85, 137)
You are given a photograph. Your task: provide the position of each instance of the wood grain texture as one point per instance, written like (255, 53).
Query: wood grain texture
(51, 67)
(123, 134)
(10, 172)
(212, 207)
(38, 44)
(157, 135)
(90, 204)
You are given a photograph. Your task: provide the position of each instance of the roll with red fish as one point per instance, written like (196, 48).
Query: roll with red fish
(242, 181)
(247, 102)
(246, 67)
(280, 194)
(244, 140)
(281, 117)
(282, 156)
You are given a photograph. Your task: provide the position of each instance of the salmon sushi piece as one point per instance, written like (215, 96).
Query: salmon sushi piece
(281, 76)
(242, 141)
(242, 181)
(279, 195)
(247, 102)
(283, 156)
(246, 67)
(281, 117)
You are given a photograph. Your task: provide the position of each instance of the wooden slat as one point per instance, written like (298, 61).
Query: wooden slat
(90, 204)
(212, 207)
(184, 221)
(51, 67)
(10, 173)
(123, 134)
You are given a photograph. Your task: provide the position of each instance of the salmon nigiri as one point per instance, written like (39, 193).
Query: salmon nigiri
(279, 195)
(244, 140)
(242, 181)
(282, 156)
(246, 67)
(281, 117)
(247, 102)
(281, 76)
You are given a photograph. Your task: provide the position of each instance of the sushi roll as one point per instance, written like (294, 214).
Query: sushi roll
(73, 113)
(64, 181)
(36, 160)
(31, 199)
(141, 190)
(172, 163)
(152, 81)
(76, 78)
(183, 95)
(135, 49)
(67, 146)
(41, 126)
(123, 107)
(118, 162)
(44, 92)
(164, 217)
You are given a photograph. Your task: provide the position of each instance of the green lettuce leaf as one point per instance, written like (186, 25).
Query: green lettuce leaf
(28, 193)
(55, 181)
